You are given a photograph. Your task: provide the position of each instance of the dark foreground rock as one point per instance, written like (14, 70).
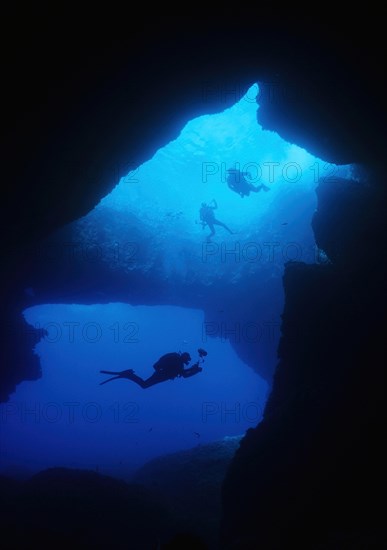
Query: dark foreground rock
(310, 475)
(172, 502)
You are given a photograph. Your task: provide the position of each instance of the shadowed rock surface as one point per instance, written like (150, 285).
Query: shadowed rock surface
(310, 473)
(83, 508)
(172, 498)
(111, 98)
(190, 482)
(317, 459)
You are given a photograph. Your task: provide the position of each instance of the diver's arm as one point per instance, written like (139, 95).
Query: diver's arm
(214, 203)
(195, 369)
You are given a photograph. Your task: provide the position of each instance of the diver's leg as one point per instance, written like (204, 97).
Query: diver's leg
(212, 229)
(138, 380)
(156, 378)
(130, 376)
(217, 222)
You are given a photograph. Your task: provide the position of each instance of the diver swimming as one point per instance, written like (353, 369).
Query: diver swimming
(207, 217)
(238, 183)
(168, 367)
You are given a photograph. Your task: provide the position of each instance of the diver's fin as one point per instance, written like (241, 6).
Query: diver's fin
(109, 372)
(109, 379)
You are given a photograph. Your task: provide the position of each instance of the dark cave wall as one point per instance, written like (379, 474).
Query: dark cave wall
(310, 473)
(107, 97)
(105, 100)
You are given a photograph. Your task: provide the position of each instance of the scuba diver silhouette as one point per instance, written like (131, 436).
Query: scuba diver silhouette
(207, 217)
(168, 367)
(237, 182)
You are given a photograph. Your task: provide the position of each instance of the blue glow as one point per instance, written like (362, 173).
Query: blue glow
(149, 224)
(158, 202)
(67, 419)
(192, 169)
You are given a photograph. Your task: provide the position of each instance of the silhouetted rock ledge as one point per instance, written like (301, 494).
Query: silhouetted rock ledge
(191, 484)
(309, 475)
(171, 498)
(65, 506)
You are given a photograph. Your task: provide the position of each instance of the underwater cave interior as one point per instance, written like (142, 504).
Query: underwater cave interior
(228, 300)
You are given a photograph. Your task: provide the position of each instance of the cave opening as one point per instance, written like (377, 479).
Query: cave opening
(172, 289)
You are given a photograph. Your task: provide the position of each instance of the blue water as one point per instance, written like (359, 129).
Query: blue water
(149, 224)
(67, 418)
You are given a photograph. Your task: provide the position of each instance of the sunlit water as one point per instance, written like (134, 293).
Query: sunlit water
(150, 224)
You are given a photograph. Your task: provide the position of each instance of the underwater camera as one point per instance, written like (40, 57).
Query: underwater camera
(202, 352)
